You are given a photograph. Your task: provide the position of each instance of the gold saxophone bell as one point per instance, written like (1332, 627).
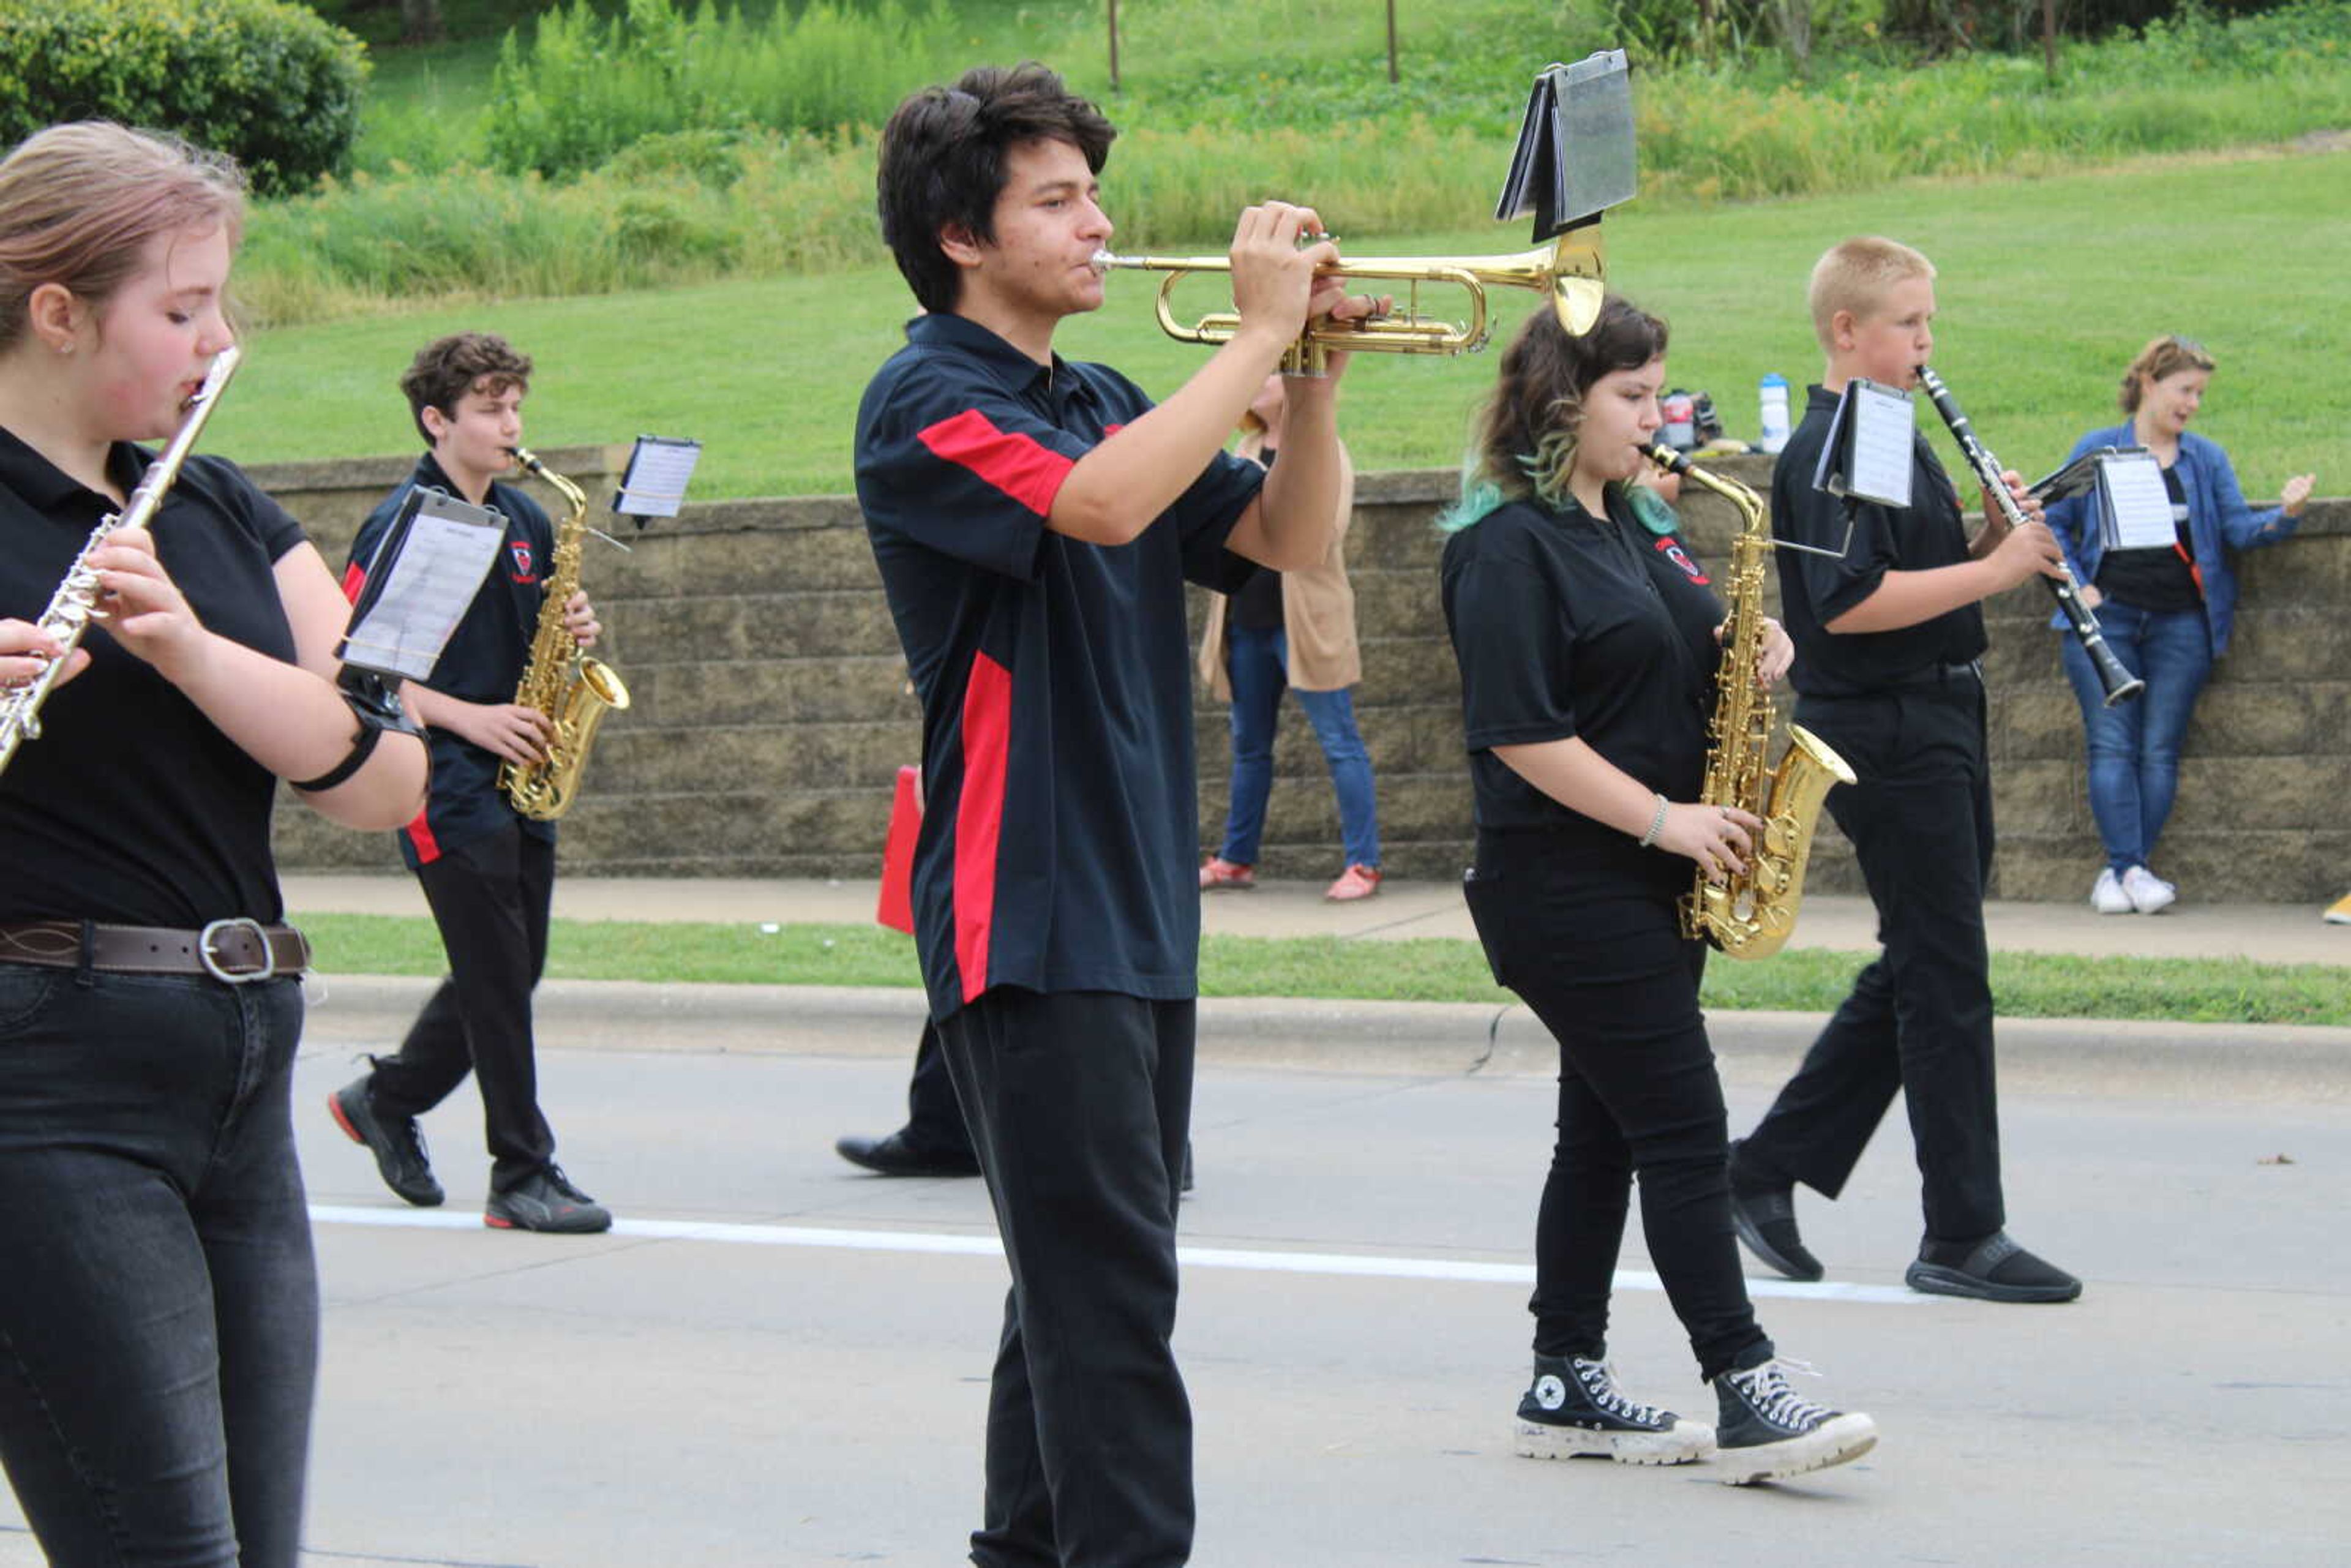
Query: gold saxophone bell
(1569, 269)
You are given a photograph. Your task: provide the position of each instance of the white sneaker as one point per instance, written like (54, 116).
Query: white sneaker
(2147, 893)
(2107, 895)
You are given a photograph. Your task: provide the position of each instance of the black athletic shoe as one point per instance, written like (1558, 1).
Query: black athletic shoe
(546, 1200)
(1768, 1431)
(1573, 1410)
(894, 1156)
(1994, 1270)
(396, 1141)
(1765, 1217)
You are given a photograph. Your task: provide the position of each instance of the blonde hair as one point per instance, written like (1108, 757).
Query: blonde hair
(1855, 275)
(79, 204)
(2165, 356)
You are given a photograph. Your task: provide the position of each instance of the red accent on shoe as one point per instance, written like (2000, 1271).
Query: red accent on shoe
(334, 1109)
(1216, 871)
(1356, 882)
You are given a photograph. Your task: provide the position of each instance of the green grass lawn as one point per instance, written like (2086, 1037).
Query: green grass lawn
(2048, 286)
(1428, 970)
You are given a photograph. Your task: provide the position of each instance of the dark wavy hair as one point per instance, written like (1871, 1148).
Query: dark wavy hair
(943, 156)
(447, 369)
(1522, 438)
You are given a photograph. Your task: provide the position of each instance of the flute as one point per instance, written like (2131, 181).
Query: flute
(2119, 684)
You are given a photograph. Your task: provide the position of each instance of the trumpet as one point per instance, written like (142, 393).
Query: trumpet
(1570, 270)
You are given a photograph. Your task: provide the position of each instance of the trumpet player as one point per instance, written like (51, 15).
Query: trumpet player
(1034, 520)
(1587, 641)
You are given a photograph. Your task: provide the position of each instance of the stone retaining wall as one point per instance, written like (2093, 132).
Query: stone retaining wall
(769, 716)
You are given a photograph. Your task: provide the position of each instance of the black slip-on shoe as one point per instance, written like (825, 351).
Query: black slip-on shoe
(1765, 1218)
(894, 1156)
(396, 1141)
(1995, 1269)
(546, 1200)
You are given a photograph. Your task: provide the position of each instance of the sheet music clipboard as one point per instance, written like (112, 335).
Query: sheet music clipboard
(1870, 440)
(655, 484)
(2133, 503)
(419, 582)
(1574, 156)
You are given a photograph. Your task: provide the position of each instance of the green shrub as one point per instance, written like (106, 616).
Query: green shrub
(267, 82)
(588, 86)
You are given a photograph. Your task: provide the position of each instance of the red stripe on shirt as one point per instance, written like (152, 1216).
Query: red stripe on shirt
(421, 839)
(1019, 465)
(354, 578)
(979, 816)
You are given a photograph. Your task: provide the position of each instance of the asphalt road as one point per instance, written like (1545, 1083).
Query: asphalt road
(779, 1361)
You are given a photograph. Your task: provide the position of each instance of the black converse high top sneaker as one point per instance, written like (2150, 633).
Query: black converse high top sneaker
(1769, 1431)
(1574, 1410)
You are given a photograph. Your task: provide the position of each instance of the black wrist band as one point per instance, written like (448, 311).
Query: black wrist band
(364, 747)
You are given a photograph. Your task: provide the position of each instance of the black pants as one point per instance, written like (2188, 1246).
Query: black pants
(933, 1115)
(1919, 1018)
(490, 896)
(1592, 942)
(1079, 1104)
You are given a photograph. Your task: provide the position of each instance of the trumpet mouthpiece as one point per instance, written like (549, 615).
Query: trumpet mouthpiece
(1102, 261)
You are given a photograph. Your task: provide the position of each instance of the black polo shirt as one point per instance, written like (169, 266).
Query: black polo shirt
(483, 664)
(132, 807)
(1059, 830)
(1815, 589)
(1568, 625)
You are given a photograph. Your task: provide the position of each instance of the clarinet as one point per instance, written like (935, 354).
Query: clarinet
(75, 604)
(2119, 684)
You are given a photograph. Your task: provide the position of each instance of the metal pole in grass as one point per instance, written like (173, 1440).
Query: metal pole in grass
(1392, 52)
(1113, 46)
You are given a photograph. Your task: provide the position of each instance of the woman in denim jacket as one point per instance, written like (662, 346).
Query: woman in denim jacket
(2167, 613)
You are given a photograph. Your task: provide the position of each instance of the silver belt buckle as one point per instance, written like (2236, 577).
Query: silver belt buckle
(211, 961)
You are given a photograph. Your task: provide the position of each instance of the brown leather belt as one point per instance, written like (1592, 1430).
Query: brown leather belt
(236, 952)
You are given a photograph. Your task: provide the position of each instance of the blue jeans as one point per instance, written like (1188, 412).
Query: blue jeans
(2134, 747)
(1259, 663)
(159, 1304)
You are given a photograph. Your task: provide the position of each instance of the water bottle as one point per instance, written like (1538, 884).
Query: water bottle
(1680, 413)
(1773, 393)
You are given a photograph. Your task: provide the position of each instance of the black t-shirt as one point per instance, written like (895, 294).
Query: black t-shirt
(1059, 828)
(2161, 578)
(1815, 590)
(482, 663)
(133, 808)
(1566, 625)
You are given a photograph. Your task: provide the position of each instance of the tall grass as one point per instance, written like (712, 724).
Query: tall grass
(694, 181)
(587, 87)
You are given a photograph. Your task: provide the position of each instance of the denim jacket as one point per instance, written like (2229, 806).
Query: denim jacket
(2219, 522)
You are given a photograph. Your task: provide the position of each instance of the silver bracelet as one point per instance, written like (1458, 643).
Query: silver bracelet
(1657, 824)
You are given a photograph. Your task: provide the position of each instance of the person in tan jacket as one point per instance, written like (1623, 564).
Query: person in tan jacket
(1294, 630)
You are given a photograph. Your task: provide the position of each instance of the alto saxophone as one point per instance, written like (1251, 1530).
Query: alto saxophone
(560, 680)
(75, 603)
(1750, 913)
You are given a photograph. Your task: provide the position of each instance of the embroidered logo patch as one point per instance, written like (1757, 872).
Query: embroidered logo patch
(1672, 550)
(1549, 1392)
(520, 550)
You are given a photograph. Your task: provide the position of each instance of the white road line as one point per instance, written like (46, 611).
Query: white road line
(1352, 1265)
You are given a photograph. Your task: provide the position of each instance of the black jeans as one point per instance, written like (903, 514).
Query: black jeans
(490, 896)
(1592, 942)
(159, 1305)
(1079, 1104)
(1919, 1018)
